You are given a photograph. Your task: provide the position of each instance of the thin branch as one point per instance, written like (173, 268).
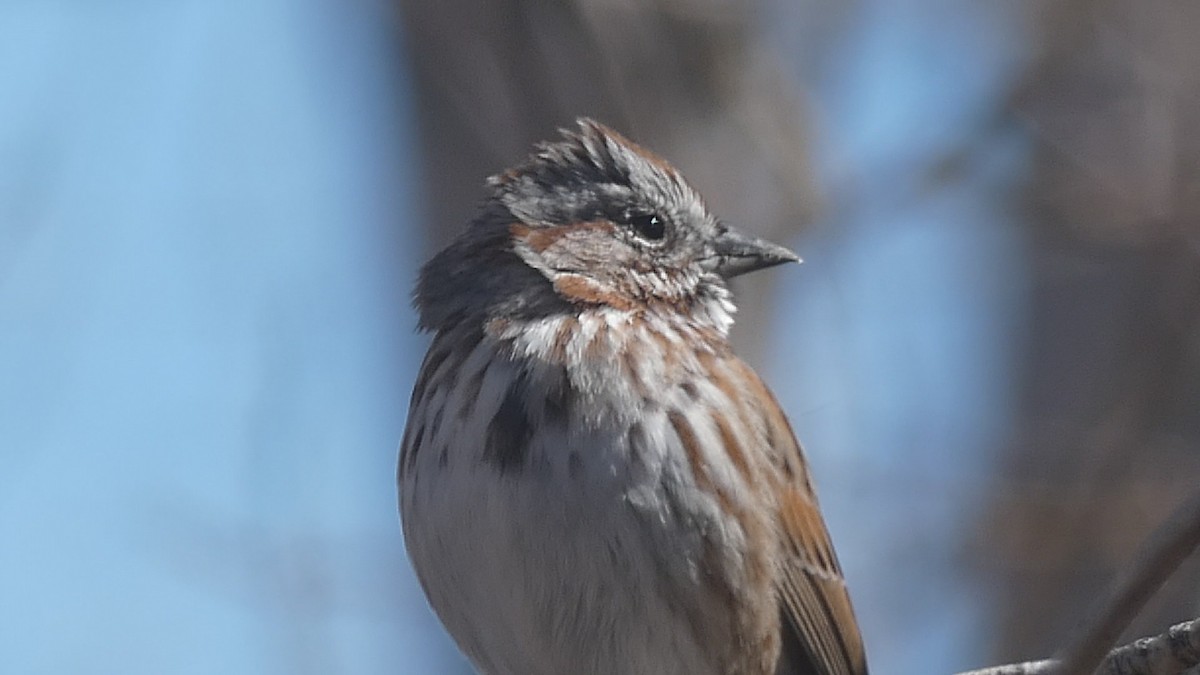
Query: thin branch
(1045, 667)
(1166, 654)
(1170, 545)
(1171, 653)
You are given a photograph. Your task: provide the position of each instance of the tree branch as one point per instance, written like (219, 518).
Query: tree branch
(1170, 545)
(1171, 653)
(1167, 654)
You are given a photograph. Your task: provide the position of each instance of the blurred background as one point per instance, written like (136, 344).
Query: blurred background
(212, 212)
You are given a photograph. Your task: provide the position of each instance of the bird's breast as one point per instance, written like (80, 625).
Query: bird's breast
(565, 517)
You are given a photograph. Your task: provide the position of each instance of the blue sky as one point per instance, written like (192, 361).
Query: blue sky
(207, 237)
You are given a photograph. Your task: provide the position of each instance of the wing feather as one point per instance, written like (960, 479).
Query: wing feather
(815, 602)
(820, 633)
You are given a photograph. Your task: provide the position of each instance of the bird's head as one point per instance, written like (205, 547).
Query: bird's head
(595, 220)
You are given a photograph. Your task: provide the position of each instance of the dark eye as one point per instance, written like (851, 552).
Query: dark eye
(648, 225)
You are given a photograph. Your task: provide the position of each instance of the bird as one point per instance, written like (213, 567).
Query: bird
(590, 480)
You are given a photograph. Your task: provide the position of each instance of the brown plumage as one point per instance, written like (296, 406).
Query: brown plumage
(591, 481)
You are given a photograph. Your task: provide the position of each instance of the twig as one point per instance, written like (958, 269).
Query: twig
(1170, 545)
(1166, 654)
(1171, 653)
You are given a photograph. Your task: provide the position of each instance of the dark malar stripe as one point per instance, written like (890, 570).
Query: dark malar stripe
(412, 447)
(509, 434)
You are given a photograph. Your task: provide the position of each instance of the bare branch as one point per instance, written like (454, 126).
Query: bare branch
(1171, 653)
(1167, 654)
(1171, 544)
(1045, 667)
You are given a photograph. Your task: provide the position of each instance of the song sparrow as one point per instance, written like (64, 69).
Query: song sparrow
(590, 481)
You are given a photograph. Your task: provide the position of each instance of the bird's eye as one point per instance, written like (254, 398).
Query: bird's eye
(648, 225)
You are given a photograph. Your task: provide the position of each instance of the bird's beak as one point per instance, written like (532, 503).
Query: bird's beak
(734, 253)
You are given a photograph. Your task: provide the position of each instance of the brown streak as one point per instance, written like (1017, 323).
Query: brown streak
(691, 446)
(729, 387)
(733, 446)
(753, 622)
(650, 156)
(629, 362)
(781, 438)
(819, 608)
(580, 289)
(805, 529)
(558, 351)
(496, 327)
(670, 356)
(595, 347)
(540, 239)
